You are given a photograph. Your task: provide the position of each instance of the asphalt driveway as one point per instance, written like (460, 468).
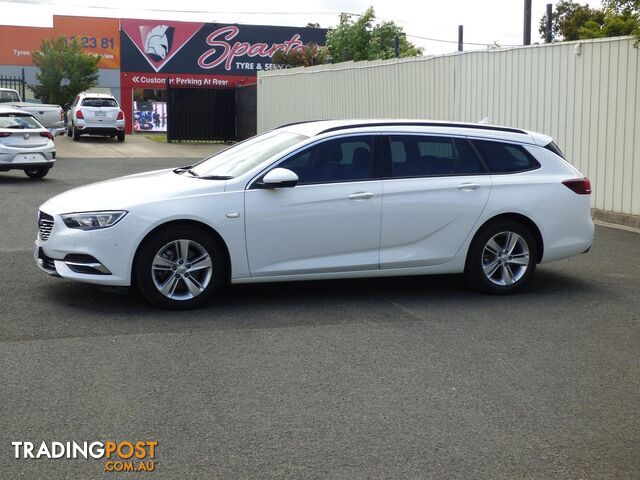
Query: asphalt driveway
(387, 378)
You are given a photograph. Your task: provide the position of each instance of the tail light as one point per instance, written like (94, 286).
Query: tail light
(5, 134)
(46, 134)
(120, 115)
(61, 115)
(581, 186)
(79, 115)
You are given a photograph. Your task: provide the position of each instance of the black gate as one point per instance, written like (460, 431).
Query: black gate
(199, 114)
(246, 108)
(17, 83)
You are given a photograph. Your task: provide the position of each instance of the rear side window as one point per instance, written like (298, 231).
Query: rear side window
(429, 156)
(7, 96)
(505, 157)
(99, 102)
(552, 147)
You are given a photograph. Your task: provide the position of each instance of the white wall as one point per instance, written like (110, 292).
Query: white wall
(588, 101)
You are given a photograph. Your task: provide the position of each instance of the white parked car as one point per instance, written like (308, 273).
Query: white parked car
(325, 200)
(95, 114)
(24, 143)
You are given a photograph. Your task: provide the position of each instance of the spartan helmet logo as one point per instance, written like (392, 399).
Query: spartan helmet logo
(157, 43)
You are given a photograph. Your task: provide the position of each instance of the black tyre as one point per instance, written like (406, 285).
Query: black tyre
(76, 134)
(180, 267)
(121, 136)
(37, 172)
(69, 132)
(501, 258)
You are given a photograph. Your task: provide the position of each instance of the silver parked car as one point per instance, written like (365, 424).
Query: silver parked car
(24, 143)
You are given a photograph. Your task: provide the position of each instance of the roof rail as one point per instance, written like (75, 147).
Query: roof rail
(297, 123)
(423, 124)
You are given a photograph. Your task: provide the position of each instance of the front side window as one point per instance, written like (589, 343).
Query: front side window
(99, 102)
(505, 157)
(429, 156)
(345, 159)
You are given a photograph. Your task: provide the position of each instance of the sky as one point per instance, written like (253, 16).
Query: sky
(485, 21)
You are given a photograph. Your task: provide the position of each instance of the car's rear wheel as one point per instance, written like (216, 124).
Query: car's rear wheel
(69, 132)
(181, 267)
(37, 172)
(121, 136)
(502, 257)
(76, 134)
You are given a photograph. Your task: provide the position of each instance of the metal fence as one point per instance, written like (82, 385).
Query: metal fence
(585, 94)
(17, 83)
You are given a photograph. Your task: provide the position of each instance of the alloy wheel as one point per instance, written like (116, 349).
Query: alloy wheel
(182, 269)
(505, 258)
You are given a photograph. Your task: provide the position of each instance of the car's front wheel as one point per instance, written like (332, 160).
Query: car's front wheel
(38, 172)
(502, 257)
(180, 267)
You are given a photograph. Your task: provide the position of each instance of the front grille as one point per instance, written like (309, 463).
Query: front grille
(45, 225)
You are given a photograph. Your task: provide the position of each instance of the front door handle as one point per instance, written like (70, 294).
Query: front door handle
(468, 186)
(360, 196)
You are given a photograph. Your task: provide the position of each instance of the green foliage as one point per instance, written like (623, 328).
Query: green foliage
(310, 54)
(573, 21)
(364, 39)
(64, 71)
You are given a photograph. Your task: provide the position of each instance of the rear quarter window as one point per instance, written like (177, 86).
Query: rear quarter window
(505, 157)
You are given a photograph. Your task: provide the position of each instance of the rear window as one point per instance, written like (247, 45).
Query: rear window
(18, 121)
(426, 156)
(99, 102)
(8, 97)
(552, 147)
(505, 157)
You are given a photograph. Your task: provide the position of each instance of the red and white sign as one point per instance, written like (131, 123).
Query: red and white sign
(185, 80)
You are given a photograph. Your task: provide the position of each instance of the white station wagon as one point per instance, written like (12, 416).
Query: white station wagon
(326, 200)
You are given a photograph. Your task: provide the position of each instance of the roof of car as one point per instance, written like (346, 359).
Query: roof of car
(97, 95)
(314, 128)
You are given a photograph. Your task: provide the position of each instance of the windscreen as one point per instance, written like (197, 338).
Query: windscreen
(18, 121)
(8, 97)
(242, 157)
(99, 102)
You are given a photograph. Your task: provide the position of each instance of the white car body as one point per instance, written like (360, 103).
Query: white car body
(24, 143)
(100, 115)
(369, 228)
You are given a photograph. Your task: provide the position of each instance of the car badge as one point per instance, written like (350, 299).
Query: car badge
(26, 136)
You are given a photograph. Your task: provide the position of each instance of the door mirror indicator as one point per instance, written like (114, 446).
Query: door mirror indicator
(278, 178)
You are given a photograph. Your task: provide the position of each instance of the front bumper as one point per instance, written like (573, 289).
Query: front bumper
(101, 257)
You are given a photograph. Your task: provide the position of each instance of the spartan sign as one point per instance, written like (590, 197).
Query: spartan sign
(157, 43)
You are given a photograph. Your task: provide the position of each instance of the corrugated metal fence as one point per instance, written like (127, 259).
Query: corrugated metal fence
(584, 94)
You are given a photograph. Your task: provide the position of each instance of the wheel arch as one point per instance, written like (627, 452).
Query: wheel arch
(524, 220)
(193, 223)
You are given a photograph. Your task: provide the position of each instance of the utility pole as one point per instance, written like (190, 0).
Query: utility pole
(548, 36)
(396, 46)
(460, 37)
(526, 38)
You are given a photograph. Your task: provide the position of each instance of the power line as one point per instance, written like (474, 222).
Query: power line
(456, 42)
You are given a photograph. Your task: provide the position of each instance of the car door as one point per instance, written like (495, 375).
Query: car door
(328, 222)
(434, 193)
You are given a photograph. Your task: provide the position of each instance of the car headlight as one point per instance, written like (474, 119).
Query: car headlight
(92, 220)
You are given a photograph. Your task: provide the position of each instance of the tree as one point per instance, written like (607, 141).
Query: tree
(64, 71)
(363, 39)
(629, 9)
(573, 21)
(305, 56)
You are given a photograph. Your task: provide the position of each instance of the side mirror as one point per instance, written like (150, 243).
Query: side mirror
(279, 178)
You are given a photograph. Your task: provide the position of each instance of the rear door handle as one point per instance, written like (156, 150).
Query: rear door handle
(360, 196)
(468, 186)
